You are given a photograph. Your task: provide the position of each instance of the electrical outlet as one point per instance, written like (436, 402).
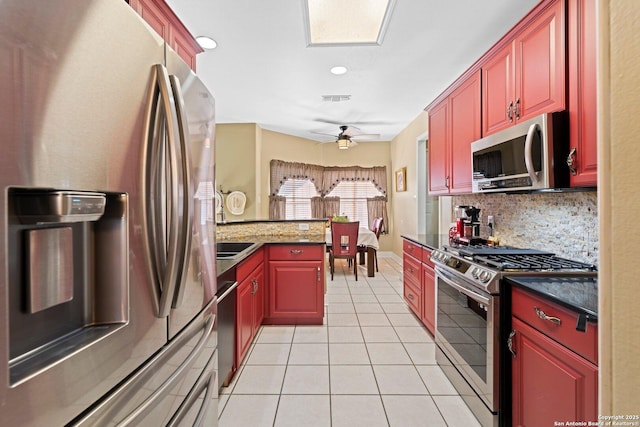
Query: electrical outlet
(303, 227)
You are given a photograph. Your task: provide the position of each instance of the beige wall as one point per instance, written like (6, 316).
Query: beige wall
(235, 147)
(247, 147)
(403, 153)
(619, 181)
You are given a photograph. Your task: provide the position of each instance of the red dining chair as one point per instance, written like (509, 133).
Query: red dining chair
(344, 244)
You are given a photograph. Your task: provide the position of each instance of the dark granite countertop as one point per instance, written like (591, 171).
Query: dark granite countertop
(432, 241)
(224, 265)
(579, 294)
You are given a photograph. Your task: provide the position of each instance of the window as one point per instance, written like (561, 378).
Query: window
(298, 193)
(353, 199)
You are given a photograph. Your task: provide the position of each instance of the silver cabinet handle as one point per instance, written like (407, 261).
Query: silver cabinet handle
(296, 251)
(516, 108)
(571, 162)
(510, 111)
(541, 314)
(318, 274)
(510, 343)
(410, 296)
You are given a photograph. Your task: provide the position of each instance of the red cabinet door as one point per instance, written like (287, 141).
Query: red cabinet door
(258, 299)
(429, 298)
(527, 76)
(550, 382)
(244, 319)
(582, 93)
(296, 289)
(540, 64)
(498, 91)
(438, 146)
(465, 128)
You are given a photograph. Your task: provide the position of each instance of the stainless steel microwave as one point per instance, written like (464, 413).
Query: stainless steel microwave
(524, 157)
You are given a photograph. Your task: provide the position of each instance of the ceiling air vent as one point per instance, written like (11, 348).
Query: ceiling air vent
(335, 98)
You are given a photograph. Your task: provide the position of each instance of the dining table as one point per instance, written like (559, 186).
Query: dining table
(366, 239)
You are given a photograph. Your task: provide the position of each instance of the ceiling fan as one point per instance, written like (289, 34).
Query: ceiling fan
(348, 136)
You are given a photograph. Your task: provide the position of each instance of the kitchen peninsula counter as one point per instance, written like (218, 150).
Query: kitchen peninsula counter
(223, 265)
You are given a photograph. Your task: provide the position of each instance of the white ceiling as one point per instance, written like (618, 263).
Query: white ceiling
(262, 71)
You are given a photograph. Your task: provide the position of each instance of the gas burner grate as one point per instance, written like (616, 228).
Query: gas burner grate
(531, 262)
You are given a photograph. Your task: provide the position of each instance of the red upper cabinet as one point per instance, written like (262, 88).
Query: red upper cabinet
(439, 148)
(162, 19)
(454, 123)
(526, 76)
(583, 151)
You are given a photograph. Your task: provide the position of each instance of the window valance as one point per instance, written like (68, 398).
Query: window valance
(325, 178)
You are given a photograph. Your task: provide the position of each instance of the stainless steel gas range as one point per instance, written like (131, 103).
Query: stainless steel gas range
(471, 315)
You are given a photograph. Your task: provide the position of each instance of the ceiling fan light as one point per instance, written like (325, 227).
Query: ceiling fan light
(343, 144)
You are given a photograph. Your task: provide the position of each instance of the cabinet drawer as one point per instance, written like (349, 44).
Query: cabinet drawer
(248, 265)
(412, 249)
(296, 252)
(411, 269)
(524, 305)
(413, 296)
(426, 257)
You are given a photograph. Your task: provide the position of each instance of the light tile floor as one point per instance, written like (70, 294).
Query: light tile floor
(371, 364)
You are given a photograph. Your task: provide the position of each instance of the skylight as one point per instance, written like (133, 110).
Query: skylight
(353, 22)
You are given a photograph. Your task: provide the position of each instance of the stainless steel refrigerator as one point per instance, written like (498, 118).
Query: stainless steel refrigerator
(107, 244)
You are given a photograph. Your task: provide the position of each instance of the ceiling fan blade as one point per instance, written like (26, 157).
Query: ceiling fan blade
(333, 134)
(366, 136)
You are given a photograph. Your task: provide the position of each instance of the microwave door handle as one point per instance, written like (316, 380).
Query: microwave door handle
(185, 224)
(528, 158)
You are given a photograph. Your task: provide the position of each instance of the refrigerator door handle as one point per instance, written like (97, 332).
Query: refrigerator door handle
(137, 415)
(207, 381)
(185, 224)
(157, 175)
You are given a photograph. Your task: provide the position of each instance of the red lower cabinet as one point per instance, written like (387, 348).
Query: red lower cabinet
(419, 283)
(551, 381)
(296, 285)
(250, 302)
(429, 298)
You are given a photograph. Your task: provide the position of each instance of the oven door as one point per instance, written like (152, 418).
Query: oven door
(467, 331)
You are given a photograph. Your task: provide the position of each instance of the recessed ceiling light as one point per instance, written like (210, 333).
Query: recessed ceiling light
(206, 42)
(338, 70)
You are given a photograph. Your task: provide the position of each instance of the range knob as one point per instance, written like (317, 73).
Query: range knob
(484, 276)
(475, 272)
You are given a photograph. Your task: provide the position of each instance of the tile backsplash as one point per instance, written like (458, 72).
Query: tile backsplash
(563, 223)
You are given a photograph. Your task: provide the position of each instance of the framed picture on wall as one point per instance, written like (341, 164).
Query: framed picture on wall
(401, 179)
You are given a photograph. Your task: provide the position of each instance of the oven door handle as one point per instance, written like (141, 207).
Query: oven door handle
(468, 292)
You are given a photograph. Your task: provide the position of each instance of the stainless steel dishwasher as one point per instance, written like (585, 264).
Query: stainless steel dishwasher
(227, 298)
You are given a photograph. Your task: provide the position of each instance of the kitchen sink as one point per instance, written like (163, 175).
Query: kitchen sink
(232, 250)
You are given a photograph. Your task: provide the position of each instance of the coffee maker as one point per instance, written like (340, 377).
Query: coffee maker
(467, 228)
(461, 215)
